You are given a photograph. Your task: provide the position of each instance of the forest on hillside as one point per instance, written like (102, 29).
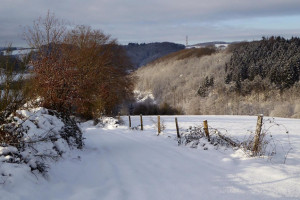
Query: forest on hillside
(275, 59)
(247, 78)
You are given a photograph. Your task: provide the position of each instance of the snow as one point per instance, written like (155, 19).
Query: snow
(6, 150)
(217, 45)
(223, 46)
(43, 144)
(146, 96)
(39, 123)
(18, 52)
(119, 163)
(15, 77)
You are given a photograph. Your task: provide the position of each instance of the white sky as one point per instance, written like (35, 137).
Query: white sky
(159, 20)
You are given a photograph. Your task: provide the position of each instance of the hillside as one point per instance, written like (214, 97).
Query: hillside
(275, 59)
(210, 83)
(141, 54)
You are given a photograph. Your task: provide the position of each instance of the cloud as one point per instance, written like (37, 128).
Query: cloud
(153, 20)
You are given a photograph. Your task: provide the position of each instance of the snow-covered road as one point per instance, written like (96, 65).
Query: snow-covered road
(121, 164)
(140, 165)
(135, 166)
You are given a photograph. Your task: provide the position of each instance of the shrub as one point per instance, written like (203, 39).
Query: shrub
(12, 93)
(153, 109)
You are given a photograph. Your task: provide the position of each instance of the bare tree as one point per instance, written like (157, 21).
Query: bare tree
(45, 31)
(80, 70)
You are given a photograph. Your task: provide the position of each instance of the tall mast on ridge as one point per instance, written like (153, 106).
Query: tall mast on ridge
(186, 41)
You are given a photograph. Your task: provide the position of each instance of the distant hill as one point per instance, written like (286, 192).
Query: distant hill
(212, 43)
(218, 44)
(142, 54)
(2, 49)
(139, 54)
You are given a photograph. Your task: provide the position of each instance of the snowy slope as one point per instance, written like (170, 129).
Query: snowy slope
(118, 163)
(18, 52)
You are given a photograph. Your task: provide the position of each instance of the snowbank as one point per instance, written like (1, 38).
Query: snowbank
(43, 136)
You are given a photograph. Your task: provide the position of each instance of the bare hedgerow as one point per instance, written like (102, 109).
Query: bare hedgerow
(79, 70)
(269, 146)
(162, 124)
(195, 136)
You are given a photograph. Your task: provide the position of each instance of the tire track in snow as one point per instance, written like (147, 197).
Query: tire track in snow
(139, 161)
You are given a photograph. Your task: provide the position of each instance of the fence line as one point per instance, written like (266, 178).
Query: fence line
(255, 146)
(206, 129)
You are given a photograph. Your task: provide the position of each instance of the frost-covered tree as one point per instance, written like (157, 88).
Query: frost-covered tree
(275, 58)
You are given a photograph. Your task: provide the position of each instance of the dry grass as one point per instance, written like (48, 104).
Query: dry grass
(185, 54)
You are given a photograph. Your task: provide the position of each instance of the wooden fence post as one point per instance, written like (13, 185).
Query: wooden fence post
(257, 135)
(205, 125)
(177, 129)
(158, 124)
(129, 121)
(141, 118)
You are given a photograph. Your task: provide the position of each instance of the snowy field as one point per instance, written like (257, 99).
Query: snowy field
(122, 164)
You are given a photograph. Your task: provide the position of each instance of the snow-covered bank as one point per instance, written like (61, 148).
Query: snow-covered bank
(38, 137)
(118, 163)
